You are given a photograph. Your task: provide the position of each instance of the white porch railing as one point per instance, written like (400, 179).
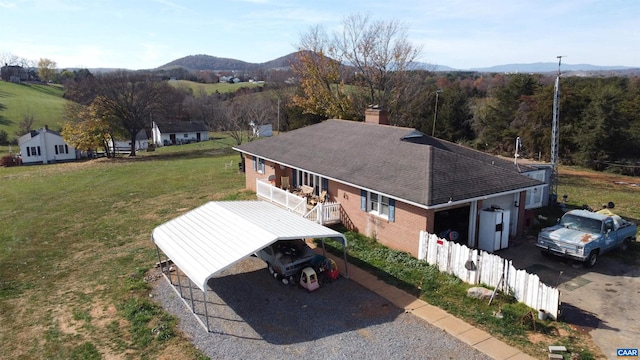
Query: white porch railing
(325, 213)
(281, 197)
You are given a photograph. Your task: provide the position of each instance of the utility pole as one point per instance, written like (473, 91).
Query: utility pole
(555, 138)
(435, 114)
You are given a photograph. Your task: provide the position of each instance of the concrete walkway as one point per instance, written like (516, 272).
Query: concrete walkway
(478, 339)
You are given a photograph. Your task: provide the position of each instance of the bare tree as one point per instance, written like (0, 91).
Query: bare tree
(379, 54)
(131, 98)
(25, 125)
(242, 111)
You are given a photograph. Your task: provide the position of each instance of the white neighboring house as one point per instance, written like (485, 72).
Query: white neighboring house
(124, 146)
(178, 133)
(45, 146)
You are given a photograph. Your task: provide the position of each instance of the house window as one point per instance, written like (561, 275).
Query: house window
(60, 149)
(186, 136)
(258, 165)
(534, 196)
(317, 182)
(378, 204)
(35, 151)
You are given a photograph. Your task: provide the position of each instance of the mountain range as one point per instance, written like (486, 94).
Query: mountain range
(213, 63)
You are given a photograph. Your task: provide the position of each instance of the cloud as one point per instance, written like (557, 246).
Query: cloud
(7, 5)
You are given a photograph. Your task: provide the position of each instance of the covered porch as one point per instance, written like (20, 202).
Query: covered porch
(300, 201)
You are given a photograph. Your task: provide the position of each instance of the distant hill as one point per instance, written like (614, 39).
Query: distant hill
(543, 67)
(208, 62)
(44, 102)
(540, 67)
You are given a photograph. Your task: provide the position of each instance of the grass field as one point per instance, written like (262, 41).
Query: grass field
(212, 88)
(75, 244)
(75, 247)
(43, 102)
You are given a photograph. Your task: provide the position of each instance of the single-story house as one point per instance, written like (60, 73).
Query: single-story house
(392, 182)
(124, 146)
(45, 146)
(176, 133)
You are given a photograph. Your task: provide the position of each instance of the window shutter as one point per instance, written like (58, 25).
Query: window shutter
(325, 184)
(363, 200)
(392, 210)
(255, 164)
(56, 147)
(39, 153)
(28, 151)
(66, 148)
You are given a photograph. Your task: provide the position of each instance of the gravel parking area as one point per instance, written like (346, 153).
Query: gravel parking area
(251, 314)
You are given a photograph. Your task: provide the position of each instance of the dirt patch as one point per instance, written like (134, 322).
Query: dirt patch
(619, 180)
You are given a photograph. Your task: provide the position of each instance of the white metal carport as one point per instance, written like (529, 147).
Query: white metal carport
(214, 236)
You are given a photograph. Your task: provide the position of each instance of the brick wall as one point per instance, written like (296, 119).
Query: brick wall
(403, 234)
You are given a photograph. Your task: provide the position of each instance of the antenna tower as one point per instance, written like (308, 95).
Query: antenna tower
(555, 138)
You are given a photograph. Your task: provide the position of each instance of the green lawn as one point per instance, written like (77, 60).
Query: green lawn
(212, 88)
(75, 244)
(43, 102)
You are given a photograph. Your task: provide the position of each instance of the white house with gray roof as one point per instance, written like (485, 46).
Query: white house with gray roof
(44, 146)
(181, 132)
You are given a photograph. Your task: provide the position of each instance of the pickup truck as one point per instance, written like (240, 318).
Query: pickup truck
(286, 258)
(584, 235)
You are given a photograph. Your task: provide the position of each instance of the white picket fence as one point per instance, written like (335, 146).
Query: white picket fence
(480, 267)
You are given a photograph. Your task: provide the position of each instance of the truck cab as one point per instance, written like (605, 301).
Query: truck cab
(584, 235)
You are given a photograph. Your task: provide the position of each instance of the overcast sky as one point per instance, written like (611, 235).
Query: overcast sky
(143, 34)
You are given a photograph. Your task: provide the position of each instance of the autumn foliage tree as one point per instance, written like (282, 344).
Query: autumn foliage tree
(365, 63)
(321, 85)
(46, 69)
(86, 128)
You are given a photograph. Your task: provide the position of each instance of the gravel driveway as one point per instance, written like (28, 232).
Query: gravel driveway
(253, 315)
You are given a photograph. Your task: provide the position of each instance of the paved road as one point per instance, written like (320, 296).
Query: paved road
(603, 300)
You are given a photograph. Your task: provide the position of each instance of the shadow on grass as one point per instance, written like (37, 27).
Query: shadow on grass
(184, 154)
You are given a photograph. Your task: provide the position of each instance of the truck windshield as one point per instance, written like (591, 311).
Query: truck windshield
(580, 223)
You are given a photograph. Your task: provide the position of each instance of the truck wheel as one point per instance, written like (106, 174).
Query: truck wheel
(592, 259)
(270, 268)
(285, 280)
(625, 245)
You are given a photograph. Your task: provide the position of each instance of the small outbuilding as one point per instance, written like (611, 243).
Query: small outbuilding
(214, 236)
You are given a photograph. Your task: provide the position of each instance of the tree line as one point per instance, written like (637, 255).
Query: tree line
(365, 63)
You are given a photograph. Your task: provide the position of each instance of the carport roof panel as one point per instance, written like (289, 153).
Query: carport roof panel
(215, 235)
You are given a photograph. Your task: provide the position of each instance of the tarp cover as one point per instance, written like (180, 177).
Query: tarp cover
(215, 235)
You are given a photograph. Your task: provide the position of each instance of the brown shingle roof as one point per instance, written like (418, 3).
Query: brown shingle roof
(417, 168)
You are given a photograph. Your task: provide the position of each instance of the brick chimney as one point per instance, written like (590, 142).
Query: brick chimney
(375, 115)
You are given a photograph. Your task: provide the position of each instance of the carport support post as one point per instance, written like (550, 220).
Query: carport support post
(193, 307)
(179, 283)
(206, 313)
(166, 258)
(159, 259)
